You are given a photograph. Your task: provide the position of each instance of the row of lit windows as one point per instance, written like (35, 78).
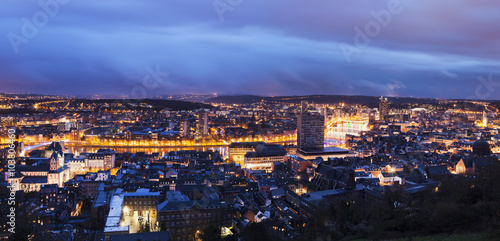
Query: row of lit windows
(145, 197)
(261, 162)
(192, 216)
(140, 202)
(132, 208)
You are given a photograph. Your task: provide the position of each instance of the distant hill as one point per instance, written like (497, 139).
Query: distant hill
(132, 104)
(319, 99)
(236, 99)
(157, 104)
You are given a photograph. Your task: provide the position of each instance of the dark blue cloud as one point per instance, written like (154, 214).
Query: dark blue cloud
(281, 47)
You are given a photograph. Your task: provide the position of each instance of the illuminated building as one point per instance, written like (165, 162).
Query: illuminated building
(103, 175)
(55, 147)
(202, 123)
(310, 131)
(155, 236)
(340, 129)
(237, 150)
(32, 178)
(171, 125)
(56, 160)
(51, 195)
(325, 153)
(76, 165)
(387, 178)
(324, 113)
(115, 215)
(264, 157)
(298, 164)
(184, 219)
(485, 119)
(65, 126)
(327, 177)
(185, 128)
(141, 203)
(471, 165)
(303, 107)
(383, 109)
(75, 135)
(103, 159)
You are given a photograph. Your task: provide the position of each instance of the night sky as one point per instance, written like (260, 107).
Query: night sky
(428, 48)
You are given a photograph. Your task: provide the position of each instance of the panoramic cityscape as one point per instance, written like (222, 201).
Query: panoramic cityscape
(250, 120)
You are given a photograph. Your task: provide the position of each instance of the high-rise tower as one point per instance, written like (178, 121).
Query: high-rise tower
(383, 109)
(202, 123)
(310, 131)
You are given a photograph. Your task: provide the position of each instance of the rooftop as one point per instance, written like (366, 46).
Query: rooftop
(323, 151)
(115, 214)
(153, 236)
(141, 192)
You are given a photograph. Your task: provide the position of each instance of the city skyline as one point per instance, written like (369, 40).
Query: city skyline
(378, 48)
(249, 120)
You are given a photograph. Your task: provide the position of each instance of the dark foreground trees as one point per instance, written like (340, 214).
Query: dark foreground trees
(461, 204)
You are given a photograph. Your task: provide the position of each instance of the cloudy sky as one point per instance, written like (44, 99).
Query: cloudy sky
(424, 48)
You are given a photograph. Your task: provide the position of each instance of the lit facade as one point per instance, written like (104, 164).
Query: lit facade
(237, 150)
(100, 161)
(310, 131)
(383, 109)
(202, 123)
